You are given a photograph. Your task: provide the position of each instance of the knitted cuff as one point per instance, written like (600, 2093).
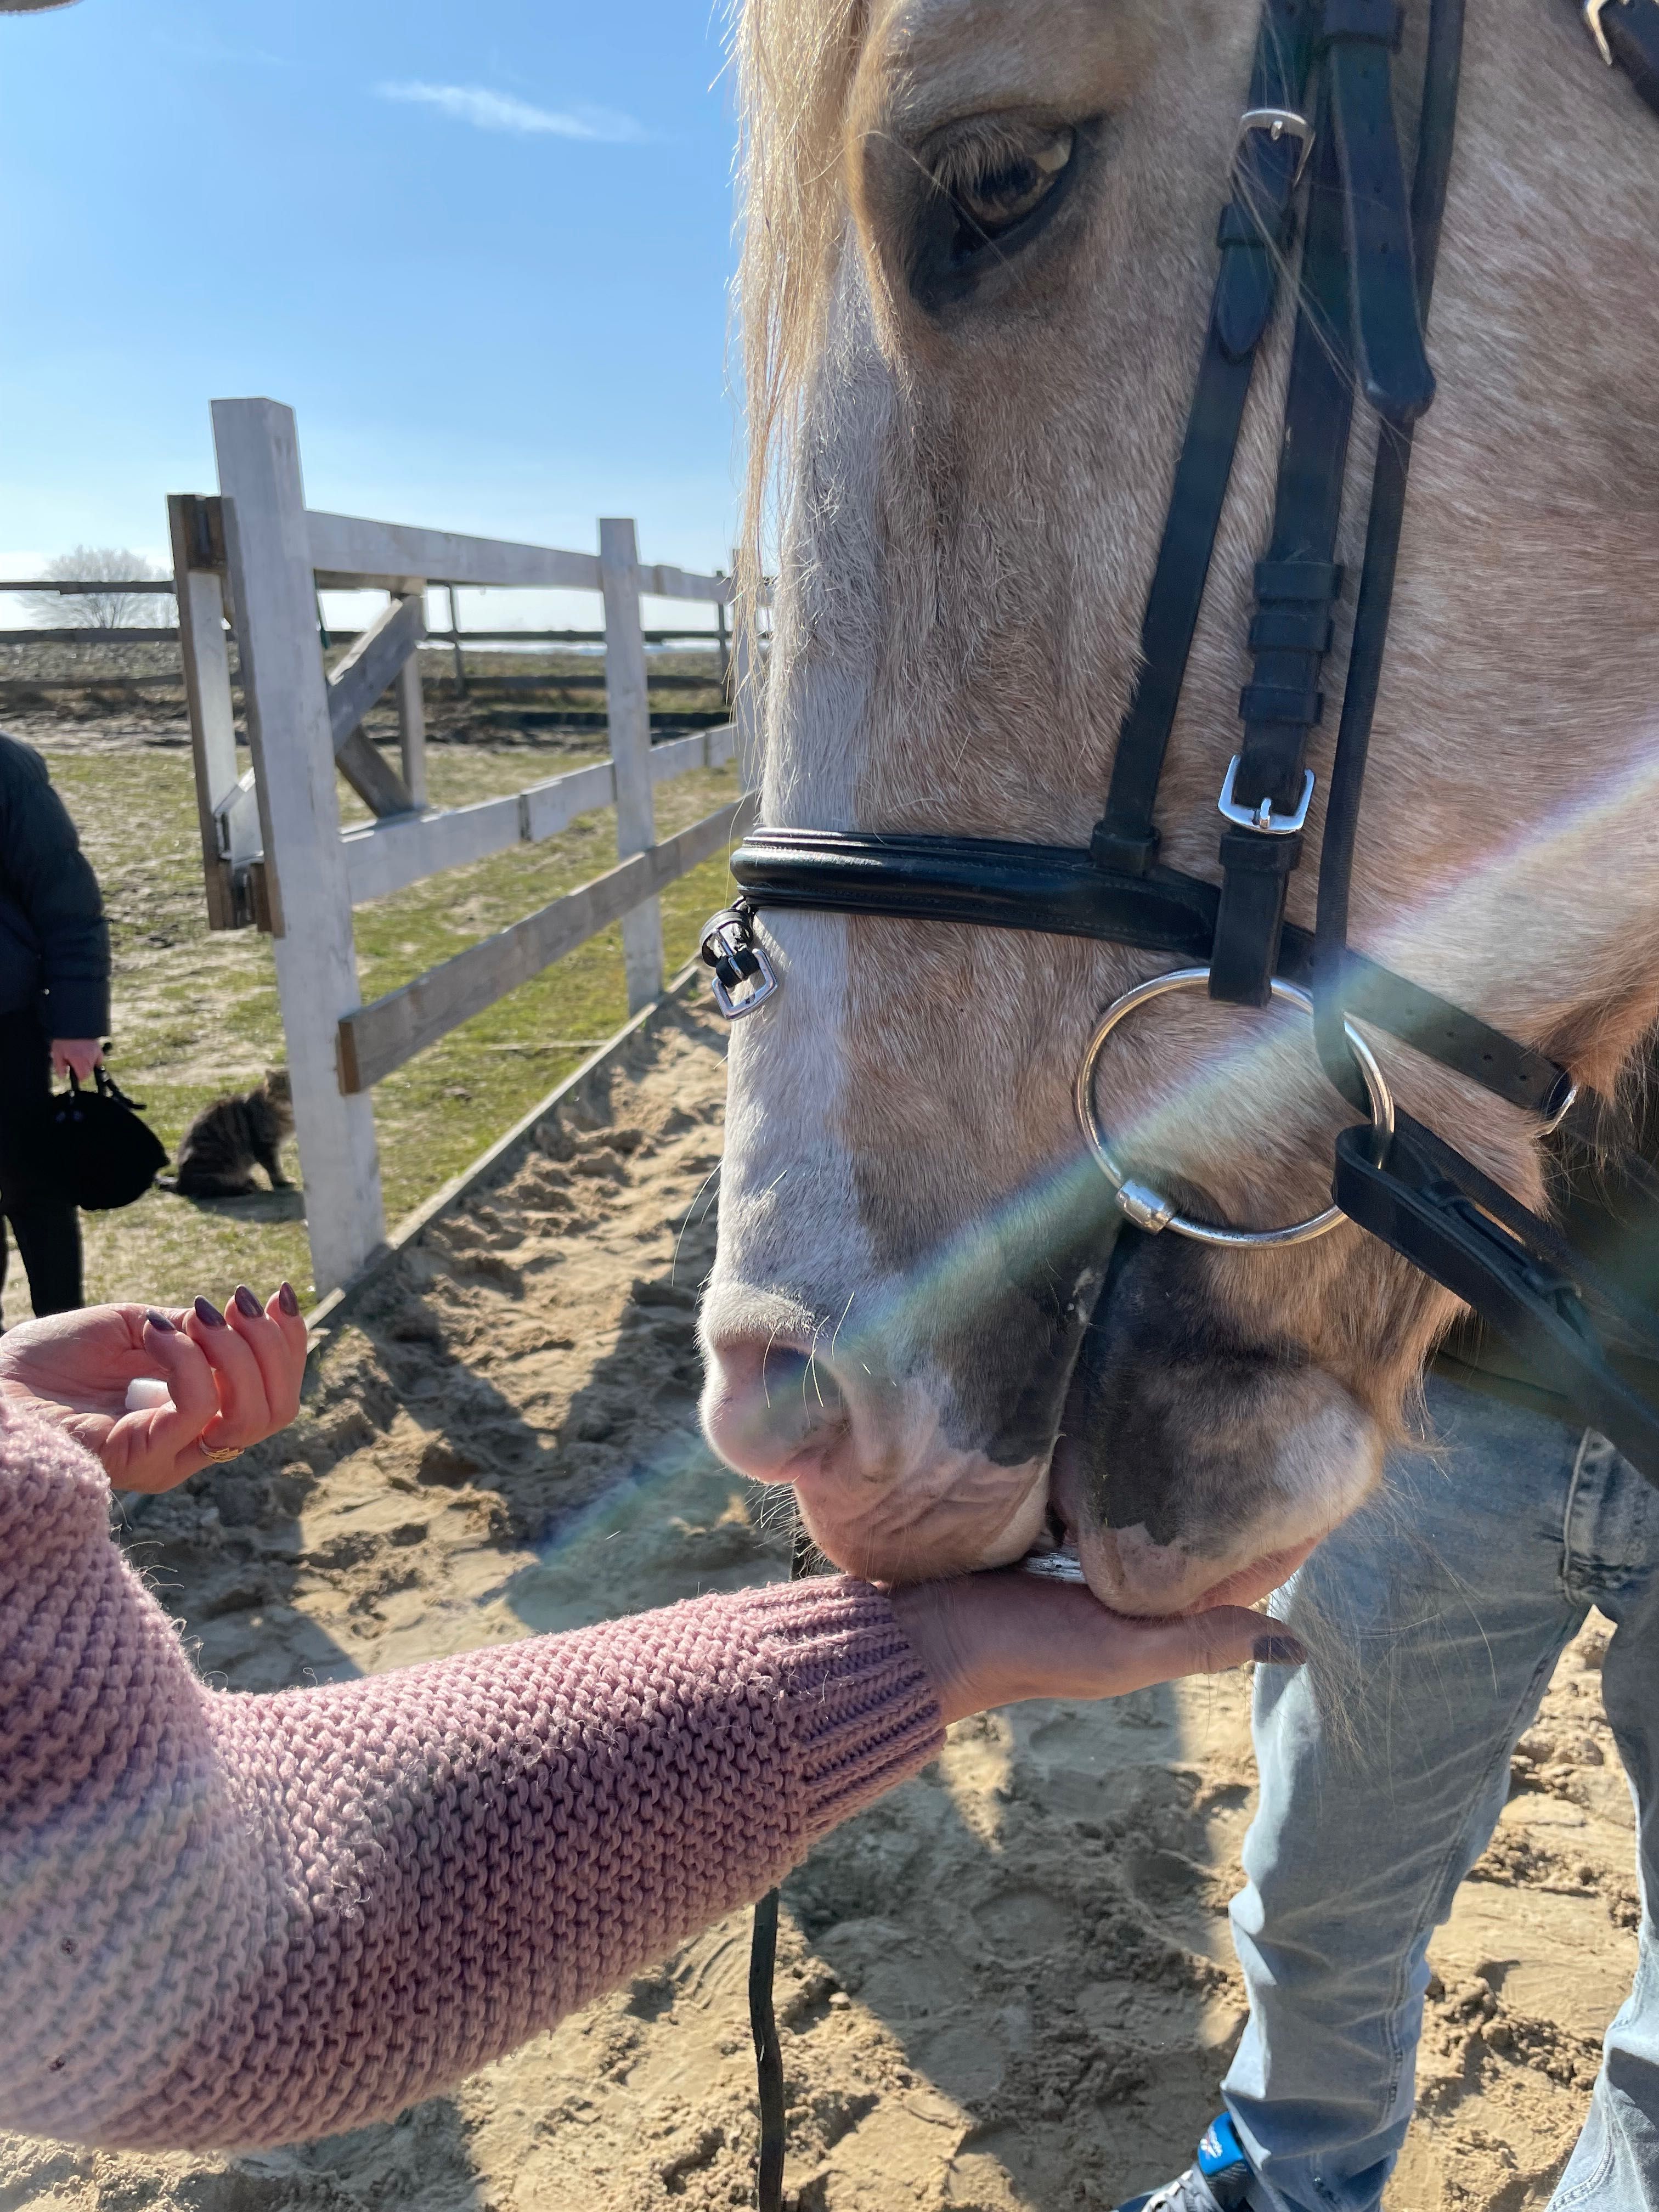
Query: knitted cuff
(862, 1712)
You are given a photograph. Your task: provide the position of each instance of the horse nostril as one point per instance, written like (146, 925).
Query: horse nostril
(796, 1377)
(782, 1370)
(797, 1399)
(771, 1404)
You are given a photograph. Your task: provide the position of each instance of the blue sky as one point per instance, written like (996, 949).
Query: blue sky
(483, 251)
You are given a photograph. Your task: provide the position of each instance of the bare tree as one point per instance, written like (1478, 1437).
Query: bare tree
(101, 604)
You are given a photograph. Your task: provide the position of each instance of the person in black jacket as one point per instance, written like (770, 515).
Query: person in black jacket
(54, 1009)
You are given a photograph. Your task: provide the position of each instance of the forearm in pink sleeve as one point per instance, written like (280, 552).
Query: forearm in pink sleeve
(229, 1919)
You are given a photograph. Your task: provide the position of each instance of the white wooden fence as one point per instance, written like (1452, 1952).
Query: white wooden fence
(273, 850)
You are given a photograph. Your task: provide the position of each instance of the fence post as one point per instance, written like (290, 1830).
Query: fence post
(293, 749)
(411, 709)
(455, 643)
(628, 709)
(198, 590)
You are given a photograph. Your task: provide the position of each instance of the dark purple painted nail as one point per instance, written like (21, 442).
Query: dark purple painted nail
(158, 1320)
(286, 1299)
(1279, 1651)
(247, 1303)
(211, 1314)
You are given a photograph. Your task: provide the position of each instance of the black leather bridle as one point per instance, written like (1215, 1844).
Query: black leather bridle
(1320, 102)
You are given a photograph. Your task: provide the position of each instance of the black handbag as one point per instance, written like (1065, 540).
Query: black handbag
(97, 1152)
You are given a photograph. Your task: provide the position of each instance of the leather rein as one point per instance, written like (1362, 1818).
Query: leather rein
(1319, 117)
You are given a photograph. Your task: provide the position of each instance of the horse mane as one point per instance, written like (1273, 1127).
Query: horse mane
(795, 61)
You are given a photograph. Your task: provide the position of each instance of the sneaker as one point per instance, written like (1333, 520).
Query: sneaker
(1218, 2181)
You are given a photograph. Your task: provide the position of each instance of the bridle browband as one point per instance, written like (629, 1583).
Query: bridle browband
(1320, 109)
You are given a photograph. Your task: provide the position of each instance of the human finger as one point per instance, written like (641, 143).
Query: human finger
(155, 1447)
(1138, 1653)
(995, 1639)
(192, 1399)
(76, 1056)
(243, 1415)
(1060, 1641)
(276, 1335)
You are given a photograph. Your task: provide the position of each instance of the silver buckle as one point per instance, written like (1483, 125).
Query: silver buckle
(1277, 121)
(1261, 816)
(729, 942)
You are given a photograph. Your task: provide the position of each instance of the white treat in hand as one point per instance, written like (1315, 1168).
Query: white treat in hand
(145, 1392)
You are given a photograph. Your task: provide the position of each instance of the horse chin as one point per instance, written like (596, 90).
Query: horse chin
(1199, 1460)
(1189, 1487)
(1130, 1574)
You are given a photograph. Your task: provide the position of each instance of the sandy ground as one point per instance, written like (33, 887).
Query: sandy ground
(1009, 1985)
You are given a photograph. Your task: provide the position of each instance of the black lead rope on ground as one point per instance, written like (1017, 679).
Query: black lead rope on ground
(763, 1968)
(768, 2055)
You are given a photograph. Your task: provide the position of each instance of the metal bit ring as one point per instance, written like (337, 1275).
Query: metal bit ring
(1145, 1207)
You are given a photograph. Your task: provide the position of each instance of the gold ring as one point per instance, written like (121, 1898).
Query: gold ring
(224, 1452)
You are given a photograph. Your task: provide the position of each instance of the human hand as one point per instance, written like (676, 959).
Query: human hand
(993, 1639)
(229, 1380)
(78, 1055)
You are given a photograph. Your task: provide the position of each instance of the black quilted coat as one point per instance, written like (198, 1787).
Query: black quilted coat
(54, 941)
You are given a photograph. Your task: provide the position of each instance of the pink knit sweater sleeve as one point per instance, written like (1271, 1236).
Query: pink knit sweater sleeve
(235, 1920)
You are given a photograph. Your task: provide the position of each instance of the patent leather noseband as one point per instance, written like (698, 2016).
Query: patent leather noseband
(1317, 144)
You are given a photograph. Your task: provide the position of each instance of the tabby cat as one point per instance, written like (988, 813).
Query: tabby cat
(218, 1152)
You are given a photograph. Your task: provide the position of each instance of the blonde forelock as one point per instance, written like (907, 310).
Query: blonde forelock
(796, 61)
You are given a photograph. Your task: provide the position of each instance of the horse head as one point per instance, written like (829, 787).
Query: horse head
(978, 251)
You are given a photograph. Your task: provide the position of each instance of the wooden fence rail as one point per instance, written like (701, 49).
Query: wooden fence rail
(382, 1035)
(139, 634)
(86, 587)
(274, 853)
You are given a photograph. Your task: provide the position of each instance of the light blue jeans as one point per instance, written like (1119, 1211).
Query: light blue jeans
(1452, 1597)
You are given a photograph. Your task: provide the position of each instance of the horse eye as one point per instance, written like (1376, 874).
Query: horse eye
(1006, 184)
(967, 206)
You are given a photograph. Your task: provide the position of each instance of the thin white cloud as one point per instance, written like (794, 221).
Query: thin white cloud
(499, 110)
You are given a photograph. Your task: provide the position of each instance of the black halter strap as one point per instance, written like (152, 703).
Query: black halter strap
(1437, 123)
(1517, 1272)
(1255, 235)
(1268, 787)
(1359, 312)
(1360, 318)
